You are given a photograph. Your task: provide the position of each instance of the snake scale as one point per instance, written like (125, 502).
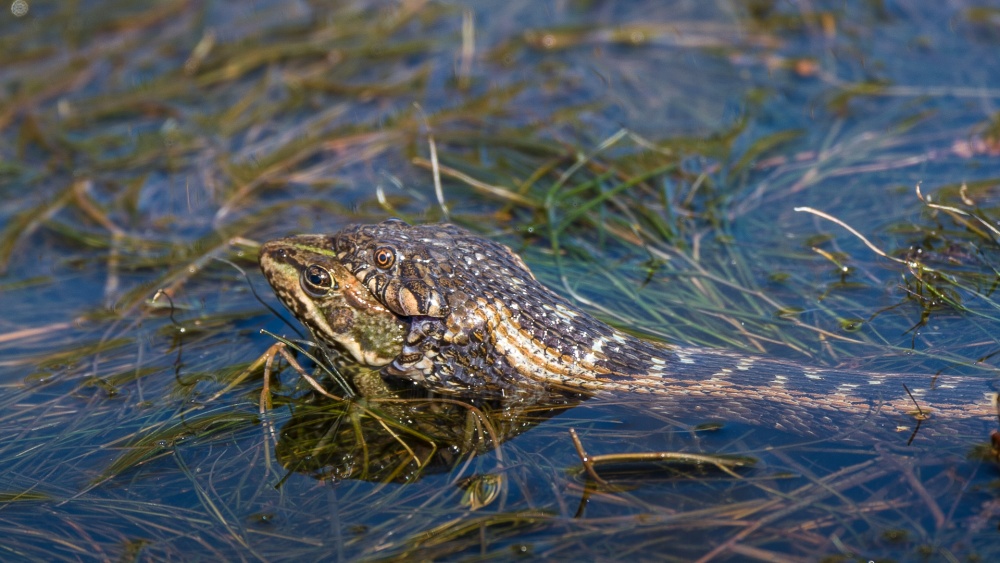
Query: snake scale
(459, 313)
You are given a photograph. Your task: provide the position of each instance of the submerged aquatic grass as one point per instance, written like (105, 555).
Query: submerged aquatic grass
(152, 142)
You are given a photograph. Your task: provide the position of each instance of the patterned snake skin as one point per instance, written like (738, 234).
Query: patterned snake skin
(479, 323)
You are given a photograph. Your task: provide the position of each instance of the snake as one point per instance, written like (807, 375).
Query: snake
(459, 313)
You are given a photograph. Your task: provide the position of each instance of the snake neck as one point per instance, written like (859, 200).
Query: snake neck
(503, 358)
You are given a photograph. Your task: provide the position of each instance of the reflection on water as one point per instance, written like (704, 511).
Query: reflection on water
(400, 437)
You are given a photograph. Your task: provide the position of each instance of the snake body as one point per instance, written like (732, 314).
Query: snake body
(478, 322)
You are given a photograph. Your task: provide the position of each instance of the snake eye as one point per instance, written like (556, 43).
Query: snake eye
(385, 257)
(317, 281)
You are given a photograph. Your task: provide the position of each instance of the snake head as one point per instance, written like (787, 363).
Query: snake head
(406, 268)
(430, 270)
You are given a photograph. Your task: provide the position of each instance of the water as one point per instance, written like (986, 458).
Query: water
(139, 144)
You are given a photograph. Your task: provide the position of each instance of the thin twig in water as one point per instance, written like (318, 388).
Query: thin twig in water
(852, 230)
(495, 191)
(722, 463)
(468, 49)
(584, 459)
(927, 202)
(409, 450)
(920, 412)
(435, 172)
(920, 416)
(164, 293)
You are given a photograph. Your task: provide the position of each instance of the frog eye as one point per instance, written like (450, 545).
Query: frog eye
(317, 281)
(385, 257)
